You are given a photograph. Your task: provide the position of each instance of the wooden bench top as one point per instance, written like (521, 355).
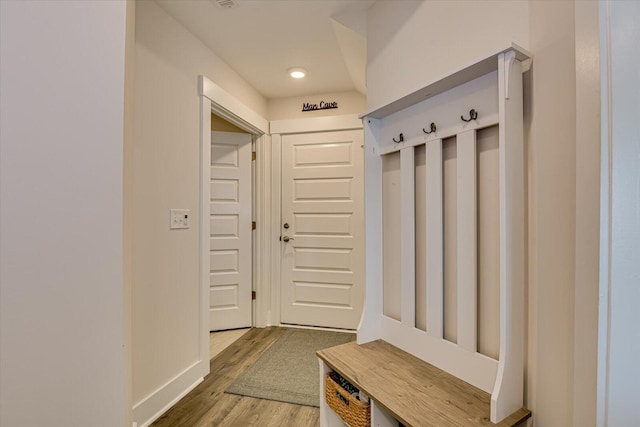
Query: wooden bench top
(412, 391)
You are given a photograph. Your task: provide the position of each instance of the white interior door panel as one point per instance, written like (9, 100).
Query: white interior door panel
(231, 240)
(322, 267)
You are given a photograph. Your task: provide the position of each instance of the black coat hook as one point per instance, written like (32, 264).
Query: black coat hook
(432, 129)
(473, 115)
(401, 137)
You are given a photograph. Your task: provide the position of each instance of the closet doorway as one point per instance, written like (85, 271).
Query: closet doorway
(233, 196)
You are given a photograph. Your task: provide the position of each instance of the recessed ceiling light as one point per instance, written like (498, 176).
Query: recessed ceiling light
(227, 4)
(297, 72)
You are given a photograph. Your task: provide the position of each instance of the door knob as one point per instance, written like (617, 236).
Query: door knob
(287, 238)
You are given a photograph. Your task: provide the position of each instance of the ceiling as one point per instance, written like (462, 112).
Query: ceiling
(261, 39)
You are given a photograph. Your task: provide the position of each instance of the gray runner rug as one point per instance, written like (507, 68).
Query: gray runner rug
(288, 370)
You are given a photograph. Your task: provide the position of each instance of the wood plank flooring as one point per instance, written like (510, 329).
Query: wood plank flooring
(218, 341)
(209, 405)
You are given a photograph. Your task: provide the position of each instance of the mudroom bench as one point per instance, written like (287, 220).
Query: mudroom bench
(404, 389)
(441, 341)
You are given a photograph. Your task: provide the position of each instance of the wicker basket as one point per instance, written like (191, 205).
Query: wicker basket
(352, 411)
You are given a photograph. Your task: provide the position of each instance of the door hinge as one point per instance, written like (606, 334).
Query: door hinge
(253, 295)
(253, 225)
(253, 155)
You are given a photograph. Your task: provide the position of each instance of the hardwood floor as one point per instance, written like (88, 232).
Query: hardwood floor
(209, 405)
(218, 341)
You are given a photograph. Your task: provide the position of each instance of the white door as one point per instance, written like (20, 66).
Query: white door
(231, 235)
(322, 226)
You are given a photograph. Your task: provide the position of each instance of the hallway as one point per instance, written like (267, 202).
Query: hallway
(209, 405)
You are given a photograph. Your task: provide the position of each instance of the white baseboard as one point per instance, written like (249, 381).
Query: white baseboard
(160, 401)
(317, 328)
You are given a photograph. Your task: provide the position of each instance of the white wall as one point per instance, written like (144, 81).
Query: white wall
(621, 142)
(61, 296)
(291, 108)
(552, 171)
(166, 309)
(587, 49)
(442, 35)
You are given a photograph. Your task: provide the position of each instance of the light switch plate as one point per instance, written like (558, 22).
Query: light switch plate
(179, 218)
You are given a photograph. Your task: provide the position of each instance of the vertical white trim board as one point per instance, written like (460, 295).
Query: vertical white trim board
(276, 204)
(369, 328)
(204, 228)
(262, 236)
(508, 394)
(407, 237)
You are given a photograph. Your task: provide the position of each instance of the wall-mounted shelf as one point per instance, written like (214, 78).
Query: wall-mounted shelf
(452, 80)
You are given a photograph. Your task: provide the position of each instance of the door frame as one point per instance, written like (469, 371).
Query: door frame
(214, 99)
(286, 127)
